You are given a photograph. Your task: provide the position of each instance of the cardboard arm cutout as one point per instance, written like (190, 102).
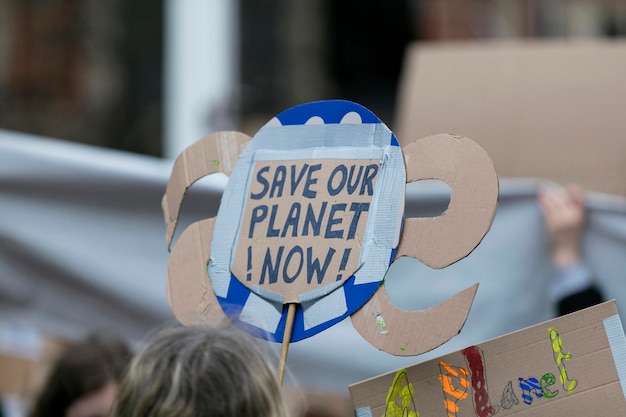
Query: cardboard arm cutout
(215, 153)
(470, 174)
(191, 296)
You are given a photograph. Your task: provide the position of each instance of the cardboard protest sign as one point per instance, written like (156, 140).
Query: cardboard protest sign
(312, 218)
(571, 366)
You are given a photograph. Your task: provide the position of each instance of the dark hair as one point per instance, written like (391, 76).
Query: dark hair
(82, 368)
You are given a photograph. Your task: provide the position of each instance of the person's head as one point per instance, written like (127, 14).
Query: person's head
(83, 381)
(201, 371)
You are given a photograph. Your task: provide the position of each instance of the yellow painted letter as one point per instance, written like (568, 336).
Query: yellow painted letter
(560, 358)
(400, 397)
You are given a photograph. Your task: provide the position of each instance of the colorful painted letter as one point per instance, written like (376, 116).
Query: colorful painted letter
(560, 358)
(401, 389)
(476, 363)
(453, 393)
(508, 398)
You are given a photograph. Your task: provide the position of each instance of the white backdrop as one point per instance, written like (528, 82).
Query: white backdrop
(82, 247)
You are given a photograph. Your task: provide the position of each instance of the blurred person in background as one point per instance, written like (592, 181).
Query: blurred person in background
(564, 213)
(84, 380)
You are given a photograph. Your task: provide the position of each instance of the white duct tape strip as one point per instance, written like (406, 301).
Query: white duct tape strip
(318, 312)
(617, 343)
(363, 412)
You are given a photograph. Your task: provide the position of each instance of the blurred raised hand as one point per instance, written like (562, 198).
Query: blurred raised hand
(564, 213)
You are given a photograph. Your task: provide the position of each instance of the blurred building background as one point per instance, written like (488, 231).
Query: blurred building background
(141, 75)
(151, 77)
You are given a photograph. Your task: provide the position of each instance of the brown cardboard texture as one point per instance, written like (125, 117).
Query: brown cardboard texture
(308, 223)
(437, 242)
(570, 366)
(410, 333)
(217, 152)
(15, 374)
(541, 109)
(23, 376)
(469, 172)
(189, 290)
(281, 215)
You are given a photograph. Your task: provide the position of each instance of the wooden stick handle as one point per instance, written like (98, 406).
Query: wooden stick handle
(291, 314)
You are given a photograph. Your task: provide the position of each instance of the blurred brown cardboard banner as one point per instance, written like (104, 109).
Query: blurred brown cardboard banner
(572, 366)
(542, 109)
(23, 374)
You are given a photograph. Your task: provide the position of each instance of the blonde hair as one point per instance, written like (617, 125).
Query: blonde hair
(201, 371)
